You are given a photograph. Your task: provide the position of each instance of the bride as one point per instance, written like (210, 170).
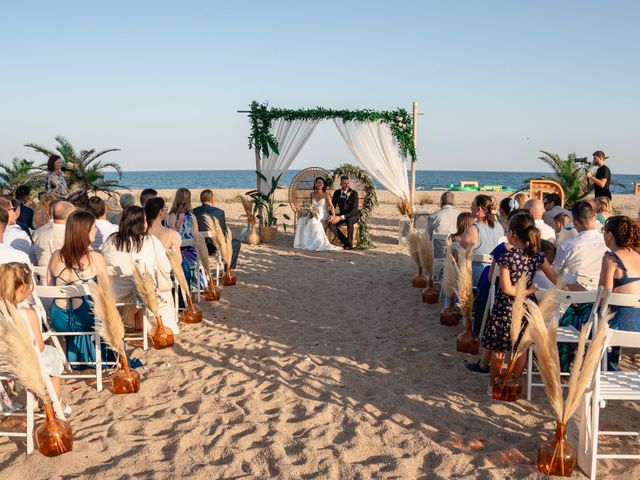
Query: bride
(310, 234)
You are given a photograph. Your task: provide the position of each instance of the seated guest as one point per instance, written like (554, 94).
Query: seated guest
(536, 207)
(484, 235)
(182, 220)
(621, 273)
(464, 221)
(147, 194)
(104, 228)
(156, 211)
(445, 219)
(16, 285)
(42, 214)
(50, 236)
(604, 210)
(76, 263)
(553, 206)
(126, 200)
(132, 245)
(7, 252)
(519, 200)
(25, 220)
(504, 207)
(564, 228)
(14, 235)
(208, 208)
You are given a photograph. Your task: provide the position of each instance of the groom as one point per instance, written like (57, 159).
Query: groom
(346, 200)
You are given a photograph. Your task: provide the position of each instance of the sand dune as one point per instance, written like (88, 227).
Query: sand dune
(316, 365)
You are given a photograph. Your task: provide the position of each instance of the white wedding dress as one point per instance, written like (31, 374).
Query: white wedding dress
(310, 231)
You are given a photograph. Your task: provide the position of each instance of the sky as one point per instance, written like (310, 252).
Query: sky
(497, 80)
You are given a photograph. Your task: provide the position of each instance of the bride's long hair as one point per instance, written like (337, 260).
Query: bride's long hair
(324, 184)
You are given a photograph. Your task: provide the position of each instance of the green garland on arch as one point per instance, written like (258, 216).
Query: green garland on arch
(261, 116)
(370, 200)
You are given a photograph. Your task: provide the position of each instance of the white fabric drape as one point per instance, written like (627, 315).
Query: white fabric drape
(291, 137)
(377, 150)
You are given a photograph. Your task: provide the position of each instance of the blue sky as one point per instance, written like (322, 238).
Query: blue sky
(497, 80)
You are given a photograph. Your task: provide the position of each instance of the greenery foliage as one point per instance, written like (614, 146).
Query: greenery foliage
(263, 140)
(263, 206)
(370, 199)
(20, 172)
(569, 174)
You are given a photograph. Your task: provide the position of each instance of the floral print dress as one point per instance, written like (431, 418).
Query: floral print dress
(497, 334)
(189, 254)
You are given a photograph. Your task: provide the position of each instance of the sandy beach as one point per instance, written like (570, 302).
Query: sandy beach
(319, 365)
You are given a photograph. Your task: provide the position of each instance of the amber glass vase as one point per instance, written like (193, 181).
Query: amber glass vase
(450, 316)
(161, 336)
(466, 342)
(125, 380)
(54, 436)
(211, 293)
(557, 456)
(228, 279)
(430, 294)
(419, 280)
(506, 387)
(192, 312)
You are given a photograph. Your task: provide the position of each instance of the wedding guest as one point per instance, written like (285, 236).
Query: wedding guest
(604, 210)
(553, 206)
(50, 237)
(536, 207)
(519, 200)
(43, 211)
(104, 228)
(621, 273)
(55, 184)
(147, 194)
(16, 285)
(25, 219)
(13, 234)
(445, 219)
(156, 213)
(7, 252)
(504, 207)
(208, 208)
(76, 263)
(182, 220)
(126, 200)
(131, 245)
(484, 235)
(463, 221)
(602, 179)
(564, 228)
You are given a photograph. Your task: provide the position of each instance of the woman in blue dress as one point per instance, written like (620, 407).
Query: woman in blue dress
(76, 263)
(621, 273)
(182, 220)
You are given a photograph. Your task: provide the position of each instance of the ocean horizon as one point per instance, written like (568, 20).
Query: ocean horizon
(425, 179)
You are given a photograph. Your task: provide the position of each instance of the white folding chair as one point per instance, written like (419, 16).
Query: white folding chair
(565, 334)
(69, 292)
(217, 259)
(613, 385)
(27, 412)
(40, 273)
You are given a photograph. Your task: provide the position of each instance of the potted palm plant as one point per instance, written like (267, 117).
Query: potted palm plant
(266, 211)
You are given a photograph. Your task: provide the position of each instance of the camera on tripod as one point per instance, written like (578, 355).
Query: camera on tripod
(583, 160)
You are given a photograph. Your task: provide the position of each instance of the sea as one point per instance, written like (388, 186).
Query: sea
(425, 179)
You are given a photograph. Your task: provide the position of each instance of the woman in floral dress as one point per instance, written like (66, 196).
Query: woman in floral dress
(182, 220)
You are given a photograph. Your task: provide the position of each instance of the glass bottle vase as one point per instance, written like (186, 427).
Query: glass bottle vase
(419, 280)
(54, 436)
(125, 380)
(192, 312)
(506, 387)
(430, 294)
(557, 456)
(450, 316)
(161, 336)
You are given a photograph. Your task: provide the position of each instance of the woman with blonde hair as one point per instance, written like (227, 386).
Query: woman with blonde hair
(182, 220)
(43, 211)
(16, 285)
(604, 209)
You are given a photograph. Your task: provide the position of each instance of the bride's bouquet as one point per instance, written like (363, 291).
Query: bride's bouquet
(310, 211)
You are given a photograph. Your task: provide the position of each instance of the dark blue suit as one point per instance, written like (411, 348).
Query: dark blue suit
(218, 214)
(25, 220)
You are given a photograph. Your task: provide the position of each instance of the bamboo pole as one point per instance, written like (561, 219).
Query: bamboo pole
(415, 146)
(258, 181)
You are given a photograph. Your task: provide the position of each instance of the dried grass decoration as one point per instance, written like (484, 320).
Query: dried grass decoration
(425, 252)
(466, 342)
(192, 312)
(557, 456)
(449, 316)
(18, 357)
(253, 237)
(413, 245)
(211, 291)
(223, 240)
(111, 328)
(160, 336)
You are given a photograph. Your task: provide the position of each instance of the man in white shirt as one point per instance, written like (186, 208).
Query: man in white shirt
(536, 207)
(582, 255)
(7, 252)
(553, 206)
(104, 228)
(444, 220)
(50, 236)
(14, 235)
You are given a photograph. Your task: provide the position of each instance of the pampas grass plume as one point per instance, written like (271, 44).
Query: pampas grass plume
(449, 275)
(108, 321)
(413, 245)
(465, 285)
(146, 290)
(425, 252)
(175, 259)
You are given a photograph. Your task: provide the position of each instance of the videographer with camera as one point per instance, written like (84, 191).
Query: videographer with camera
(602, 178)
